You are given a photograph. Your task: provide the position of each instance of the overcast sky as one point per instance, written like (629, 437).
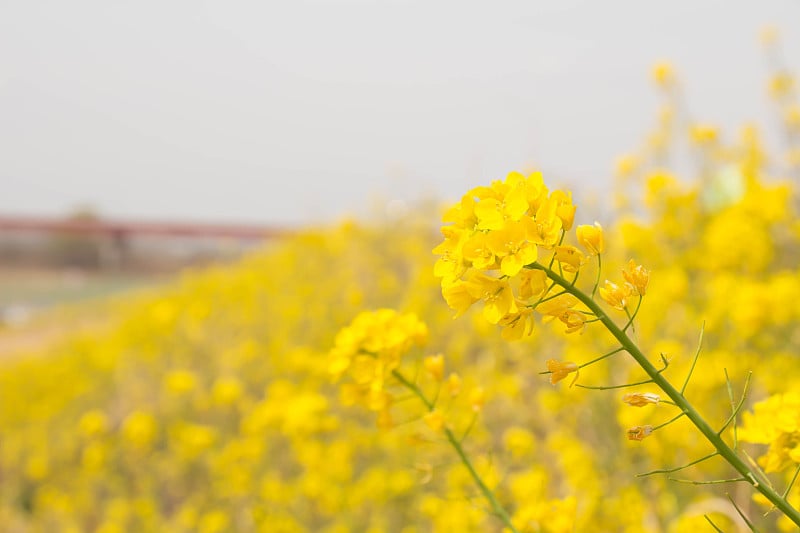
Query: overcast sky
(289, 112)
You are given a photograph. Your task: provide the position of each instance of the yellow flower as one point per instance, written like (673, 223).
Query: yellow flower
(458, 297)
(569, 257)
(226, 391)
(640, 399)
(370, 349)
(434, 420)
(462, 214)
(477, 397)
(775, 421)
(557, 306)
(781, 85)
(545, 227)
(565, 209)
(511, 245)
(180, 382)
(93, 423)
(140, 429)
(496, 295)
(702, 134)
(478, 252)
(574, 320)
(434, 364)
(791, 117)
(452, 264)
(493, 211)
(626, 165)
(637, 276)
(454, 384)
(663, 74)
(768, 35)
(559, 370)
(516, 325)
(591, 238)
(532, 284)
(639, 432)
(615, 295)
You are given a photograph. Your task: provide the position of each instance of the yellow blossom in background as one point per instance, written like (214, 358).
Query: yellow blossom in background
(226, 390)
(93, 423)
(663, 74)
(454, 384)
(477, 397)
(434, 364)
(768, 35)
(626, 165)
(140, 429)
(781, 85)
(703, 134)
(775, 421)
(434, 420)
(180, 382)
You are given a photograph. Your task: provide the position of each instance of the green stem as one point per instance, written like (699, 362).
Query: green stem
(454, 442)
(597, 279)
(691, 413)
(631, 318)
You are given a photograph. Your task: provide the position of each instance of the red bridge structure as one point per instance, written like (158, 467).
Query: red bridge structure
(117, 229)
(112, 238)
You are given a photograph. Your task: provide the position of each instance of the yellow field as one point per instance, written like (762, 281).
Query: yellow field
(212, 405)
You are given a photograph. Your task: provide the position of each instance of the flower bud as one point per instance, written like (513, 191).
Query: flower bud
(591, 238)
(434, 364)
(637, 276)
(434, 420)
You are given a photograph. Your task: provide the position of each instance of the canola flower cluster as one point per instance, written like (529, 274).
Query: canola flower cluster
(370, 350)
(496, 233)
(217, 402)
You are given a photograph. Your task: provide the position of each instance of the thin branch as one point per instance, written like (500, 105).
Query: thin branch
(626, 385)
(670, 421)
(696, 355)
(498, 509)
(678, 468)
(597, 280)
(791, 483)
(632, 317)
(713, 482)
(712, 524)
(739, 406)
(469, 427)
(746, 521)
(609, 354)
(733, 409)
(612, 387)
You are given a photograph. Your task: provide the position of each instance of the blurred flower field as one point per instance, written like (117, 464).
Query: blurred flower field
(210, 405)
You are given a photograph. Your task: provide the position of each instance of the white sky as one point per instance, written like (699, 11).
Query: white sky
(289, 112)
